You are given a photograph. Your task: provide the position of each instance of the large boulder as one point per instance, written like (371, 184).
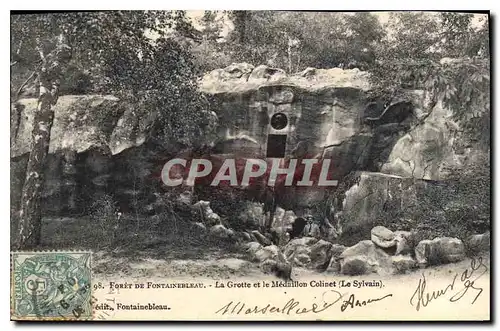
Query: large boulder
(309, 252)
(82, 123)
(265, 253)
(268, 266)
(440, 250)
(365, 258)
(89, 136)
(219, 231)
(403, 263)
(320, 255)
(383, 237)
(251, 248)
(244, 236)
(301, 260)
(279, 267)
(298, 246)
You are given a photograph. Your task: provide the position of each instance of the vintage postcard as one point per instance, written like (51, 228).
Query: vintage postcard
(250, 165)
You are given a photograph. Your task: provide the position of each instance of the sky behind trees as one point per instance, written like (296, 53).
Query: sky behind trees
(383, 17)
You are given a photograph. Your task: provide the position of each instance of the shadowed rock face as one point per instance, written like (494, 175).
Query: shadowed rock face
(329, 115)
(99, 146)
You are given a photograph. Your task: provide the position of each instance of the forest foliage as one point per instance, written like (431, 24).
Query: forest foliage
(130, 54)
(156, 57)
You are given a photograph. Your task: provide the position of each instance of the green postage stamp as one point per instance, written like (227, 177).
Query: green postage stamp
(51, 285)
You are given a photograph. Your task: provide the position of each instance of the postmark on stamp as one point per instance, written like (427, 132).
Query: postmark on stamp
(51, 285)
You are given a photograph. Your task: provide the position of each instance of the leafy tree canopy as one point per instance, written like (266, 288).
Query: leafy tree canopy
(133, 54)
(444, 55)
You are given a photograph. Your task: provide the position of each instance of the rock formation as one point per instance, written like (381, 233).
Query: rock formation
(100, 145)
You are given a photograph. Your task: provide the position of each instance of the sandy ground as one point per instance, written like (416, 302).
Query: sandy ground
(148, 253)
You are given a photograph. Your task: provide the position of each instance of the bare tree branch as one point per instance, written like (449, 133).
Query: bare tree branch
(33, 74)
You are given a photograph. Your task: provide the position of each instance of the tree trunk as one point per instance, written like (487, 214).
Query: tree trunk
(30, 218)
(15, 121)
(240, 20)
(289, 57)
